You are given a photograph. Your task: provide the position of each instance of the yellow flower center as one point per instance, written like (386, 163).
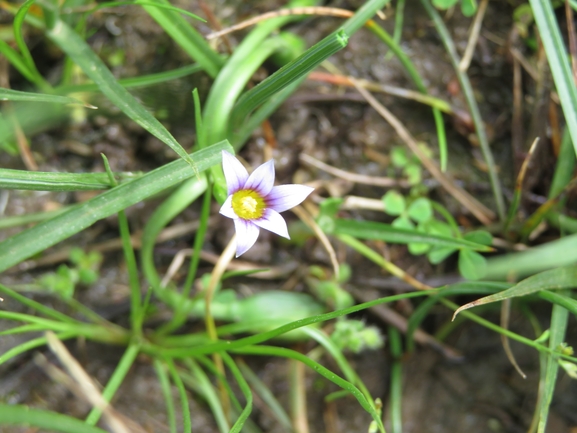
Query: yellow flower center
(248, 204)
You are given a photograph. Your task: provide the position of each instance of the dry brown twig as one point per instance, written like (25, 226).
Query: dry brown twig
(479, 210)
(473, 37)
(313, 10)
(80, 383)
(306, 217)
(386, 182)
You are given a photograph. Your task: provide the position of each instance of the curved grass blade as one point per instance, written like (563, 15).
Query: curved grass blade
(184, 35)
(48, 233)
(159, 367)
(559, 319)
(26, 56)
(385, 232)
(142, 81)
(37, 306)
(17, 61)
(468, 92)
(202, 384)
(206, 349)
(266, 395)
(561, 252)
(20, 415)
(418, 81)
(78, 50)
(559, 278)
(49, 181)
(144, 3)
(31, 344)
(292, 71)
(184, 404)
(239, 423)
(115, 380)
(17, 95)
(558, 62)
(337, 380)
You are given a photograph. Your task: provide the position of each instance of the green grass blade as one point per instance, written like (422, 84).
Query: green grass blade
(362, 15)
(145, 3)
(184, 35)
(24, 416)
(385, 232)
(561, 252)
(468, 92)
(209, 394)
(560, 299)
(179, 200)
(185, 408)
(559, 318)
(167, 393)
(135, 82)
(17, 95)
(266, 396)
(558, 62)
(37, 306)
(17, 61)
(26, 56)
(396, 393)
(239, 423)
(558, 278)
(50, 181)
(292, 71)
(337, 380)
(19, 220)
(565, 166)
(31, 344)
(48, 233)
(116, 380)
(259, 338)
(244, 131)
(78, 50)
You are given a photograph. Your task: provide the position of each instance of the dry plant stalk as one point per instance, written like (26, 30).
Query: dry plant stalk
(305, 217)
(83, 385)
(474, 37)
(313, 10)
(386, 182)
(481, 212)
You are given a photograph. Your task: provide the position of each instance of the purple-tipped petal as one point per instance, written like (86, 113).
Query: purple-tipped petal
(226, 208)
(262, 179)
(284, 197)
(234, 172)
(246, 235)
(272, 221)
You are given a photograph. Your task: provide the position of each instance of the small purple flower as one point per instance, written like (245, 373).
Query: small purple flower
(254, 202)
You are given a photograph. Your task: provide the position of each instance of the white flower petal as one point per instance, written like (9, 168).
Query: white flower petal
(226, 208)
(246, 235)
(262, 179)
(284, 197)
(234, 172)
(272, 221)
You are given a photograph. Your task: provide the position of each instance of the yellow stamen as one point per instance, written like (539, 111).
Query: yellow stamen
(248, 204)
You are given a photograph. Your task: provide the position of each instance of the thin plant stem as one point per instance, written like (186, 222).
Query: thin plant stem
(473, 107)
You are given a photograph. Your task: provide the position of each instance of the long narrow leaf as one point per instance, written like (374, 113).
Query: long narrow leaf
(184, 35)
(558, 62)
(50, 181)
(385, 232)
(48, 233)
(78, 50)
(19, 415)
(16, 95)
(558, 278)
